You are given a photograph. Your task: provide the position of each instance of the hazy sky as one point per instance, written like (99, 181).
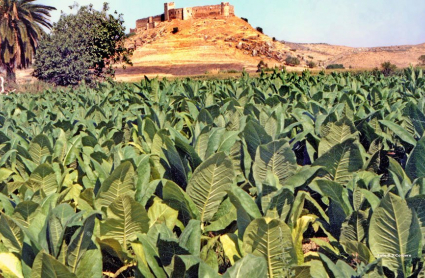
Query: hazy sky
(341, 22)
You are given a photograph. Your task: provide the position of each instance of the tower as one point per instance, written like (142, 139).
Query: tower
(225, 9)
(167, 7)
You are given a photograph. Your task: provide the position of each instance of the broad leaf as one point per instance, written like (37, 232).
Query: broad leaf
(46, 266)
(276, 157)
(125, 219)
(271, 239)
(394, 230)
(119, 183)
(208, 185)
(248, 266)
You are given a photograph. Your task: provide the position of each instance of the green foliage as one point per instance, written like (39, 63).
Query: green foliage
(311, 64)
(216, 178)
(388, 68)
(335, 66)
(81, 47)
(293, 61)
(21, 25)
(259, 29)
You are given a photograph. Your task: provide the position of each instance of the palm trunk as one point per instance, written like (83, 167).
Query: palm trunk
(10, 72)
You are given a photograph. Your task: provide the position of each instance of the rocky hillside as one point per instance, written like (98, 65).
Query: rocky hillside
(198, 46)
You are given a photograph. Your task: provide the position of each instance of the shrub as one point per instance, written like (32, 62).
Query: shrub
(259, 29)
(388, 68)
(290, 60)
(311, 64)
(82, 47)
(335, 66)
(175, 30)
(261, 65)
(422, 59)
(244, 19)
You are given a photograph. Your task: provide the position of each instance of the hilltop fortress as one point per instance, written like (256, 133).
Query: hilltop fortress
(170, 13)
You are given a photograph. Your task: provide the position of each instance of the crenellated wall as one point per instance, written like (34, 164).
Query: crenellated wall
(149, 22)
(171, 13)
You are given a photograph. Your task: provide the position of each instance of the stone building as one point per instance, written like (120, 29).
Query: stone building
(171, 13)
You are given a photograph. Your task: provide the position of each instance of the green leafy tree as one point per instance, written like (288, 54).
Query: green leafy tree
(311, 64)
(82, 46)
(290, 60)
(388, 68)
(335, 66)
(21, 23)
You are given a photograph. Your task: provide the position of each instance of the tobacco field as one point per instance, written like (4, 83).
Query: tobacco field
(276, 176)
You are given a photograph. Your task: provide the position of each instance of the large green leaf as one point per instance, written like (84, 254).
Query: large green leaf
(394, 234)
(10, 266)
(355, 227)
(255, 135)
(11, 235)
(167, 160)
(191, 237)
(176, 198)
(335, 191)
(44, 177)
(248, 266)
(271, 239)
(161, 213)
(126, 218)
(246, 209)
(46, 266)
(208, 185)
(415, 168)
(277, 158)
(341, 161)
(80, 243)
(119, 183)
(399, 131)
(40, 147)
(336, 133)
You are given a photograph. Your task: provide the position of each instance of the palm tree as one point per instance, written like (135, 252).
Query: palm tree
(21, 23)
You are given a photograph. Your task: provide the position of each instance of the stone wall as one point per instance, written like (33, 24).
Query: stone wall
(170, 13)
(149, 22)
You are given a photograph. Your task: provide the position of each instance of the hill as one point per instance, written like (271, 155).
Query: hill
(202, 45)
(230, 43)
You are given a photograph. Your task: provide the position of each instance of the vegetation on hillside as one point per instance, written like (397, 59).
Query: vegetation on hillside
(388, 68)
(335, 66)
(82, 47)
(292, 60)
(21, 23)
(422, 59)
(243, 178)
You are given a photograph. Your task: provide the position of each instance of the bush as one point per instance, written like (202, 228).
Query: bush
(422, 59)
(290, 60)
(335, 66)
(175, 30)
(81, 47)
(311, 64)
(244, 19)
(388, 68)
(261, 65)
(259, 29)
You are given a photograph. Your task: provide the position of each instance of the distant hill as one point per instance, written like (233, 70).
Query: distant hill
(197, 46)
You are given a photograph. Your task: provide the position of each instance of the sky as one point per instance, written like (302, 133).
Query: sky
(357, 23)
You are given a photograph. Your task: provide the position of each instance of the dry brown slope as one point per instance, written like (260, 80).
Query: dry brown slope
(213, 44)
(202, 45)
